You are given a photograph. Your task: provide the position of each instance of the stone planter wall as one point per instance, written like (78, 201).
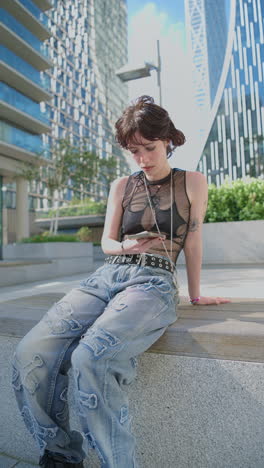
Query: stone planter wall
(235, 242)
(240, 242)
(47, 250)
(41, 261)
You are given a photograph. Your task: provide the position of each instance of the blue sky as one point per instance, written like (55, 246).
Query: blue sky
(174, 8)
(149, 20)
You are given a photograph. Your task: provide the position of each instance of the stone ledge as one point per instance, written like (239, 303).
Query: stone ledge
(233, 331)
(18, 263)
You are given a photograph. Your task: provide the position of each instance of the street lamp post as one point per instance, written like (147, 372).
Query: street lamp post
(159, 72)
(127, 74)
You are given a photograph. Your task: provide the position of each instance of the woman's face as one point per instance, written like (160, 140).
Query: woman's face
(150, 156)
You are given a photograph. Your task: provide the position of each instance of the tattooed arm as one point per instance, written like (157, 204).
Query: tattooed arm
(197, 191)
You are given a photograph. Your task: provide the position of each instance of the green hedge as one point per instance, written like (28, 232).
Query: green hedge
(241, 200)
(50, 238)
(82, 235)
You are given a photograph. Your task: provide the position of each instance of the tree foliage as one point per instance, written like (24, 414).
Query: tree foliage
(71, 166)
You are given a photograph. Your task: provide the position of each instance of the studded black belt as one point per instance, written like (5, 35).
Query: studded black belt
(141, 259)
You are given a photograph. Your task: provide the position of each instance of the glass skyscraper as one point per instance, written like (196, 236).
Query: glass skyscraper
(24, 57)
(234, 147)
(1, 216)
(206, 28)
(88, 45)
(58, 61)
(216, 34)
(234, 142)
(23, 88)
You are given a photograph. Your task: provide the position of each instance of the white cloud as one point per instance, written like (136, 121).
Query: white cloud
(146, 26)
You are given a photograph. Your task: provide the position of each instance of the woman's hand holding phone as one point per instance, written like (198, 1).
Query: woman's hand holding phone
(141, 245)
(144, 235)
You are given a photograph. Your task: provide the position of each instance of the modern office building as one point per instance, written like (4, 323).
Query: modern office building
(234, 147)
(88, 45)
(74, 93)
(23, 88)
(234, 142)
(206, 30)
(216, 33)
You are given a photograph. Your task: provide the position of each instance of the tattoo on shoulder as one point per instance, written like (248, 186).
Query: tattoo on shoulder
(194, 225)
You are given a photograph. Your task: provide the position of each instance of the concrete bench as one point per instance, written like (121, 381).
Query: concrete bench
(198, 399)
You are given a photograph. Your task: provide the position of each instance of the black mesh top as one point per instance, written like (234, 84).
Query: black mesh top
(137, 214)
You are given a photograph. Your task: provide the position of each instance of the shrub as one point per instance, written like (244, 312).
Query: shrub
(241, 200)
(44, 237)
(84, 234)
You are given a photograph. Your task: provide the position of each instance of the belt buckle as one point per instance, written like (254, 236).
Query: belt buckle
(142, 259)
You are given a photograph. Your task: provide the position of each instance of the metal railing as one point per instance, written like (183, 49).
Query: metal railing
(25, 68)
(23, 103)
(35, 11)
(24, 140)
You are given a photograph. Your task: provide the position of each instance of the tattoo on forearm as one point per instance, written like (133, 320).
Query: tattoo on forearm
(194, 225)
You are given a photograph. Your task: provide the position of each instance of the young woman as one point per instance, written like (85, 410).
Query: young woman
(120, 310)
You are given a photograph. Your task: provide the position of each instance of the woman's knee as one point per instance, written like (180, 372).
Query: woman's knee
(30, 363)
(97, 344)
(37, 345)
(25, 351)
(92, 348)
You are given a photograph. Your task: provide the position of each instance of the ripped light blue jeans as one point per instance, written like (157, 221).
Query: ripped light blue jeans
(98, 328)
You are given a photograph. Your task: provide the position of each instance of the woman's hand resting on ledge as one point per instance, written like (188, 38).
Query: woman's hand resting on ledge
(212, 301)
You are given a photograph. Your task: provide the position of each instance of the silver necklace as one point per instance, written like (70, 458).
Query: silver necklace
(175, 279)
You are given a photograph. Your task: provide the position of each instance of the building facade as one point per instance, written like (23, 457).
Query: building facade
(216, 21)
(234, 142)
(73, 92)
(234, 147)
(88, 45)
(206, 29)
(23, 88)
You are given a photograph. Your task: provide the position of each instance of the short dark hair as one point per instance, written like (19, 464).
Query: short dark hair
(152, 122)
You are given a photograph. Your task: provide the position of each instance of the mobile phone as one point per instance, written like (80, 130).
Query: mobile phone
(144, 235)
